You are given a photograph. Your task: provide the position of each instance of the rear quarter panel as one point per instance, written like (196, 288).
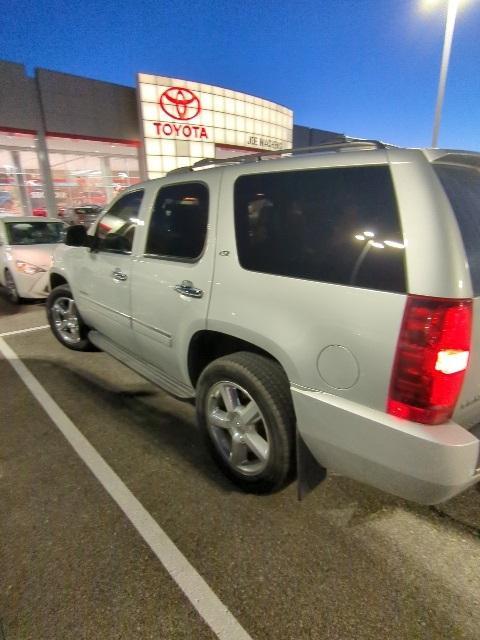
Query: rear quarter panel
(435, 256)
(437, 262)
(327, 337)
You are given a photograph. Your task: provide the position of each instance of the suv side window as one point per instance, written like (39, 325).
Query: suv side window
(336, 225)
(116, 228)
(178, 225)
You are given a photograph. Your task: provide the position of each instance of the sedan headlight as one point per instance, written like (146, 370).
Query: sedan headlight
(29, 269)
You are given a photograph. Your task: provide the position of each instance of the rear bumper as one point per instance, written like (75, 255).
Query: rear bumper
(426, 464)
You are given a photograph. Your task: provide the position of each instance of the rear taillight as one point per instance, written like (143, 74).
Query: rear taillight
(432, 355)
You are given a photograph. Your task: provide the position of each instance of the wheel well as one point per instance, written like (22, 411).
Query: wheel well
(207, 346)
(56, 280)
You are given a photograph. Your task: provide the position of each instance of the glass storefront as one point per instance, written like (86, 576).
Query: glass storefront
(83, 172)
(86, 172)
(20, 178)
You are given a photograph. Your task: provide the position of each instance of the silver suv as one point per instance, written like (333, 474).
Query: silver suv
(322, 308)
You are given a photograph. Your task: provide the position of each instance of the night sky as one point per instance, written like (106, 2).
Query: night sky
(368, 68)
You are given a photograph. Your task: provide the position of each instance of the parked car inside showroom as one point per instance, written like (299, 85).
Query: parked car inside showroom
(26, 248)
(92, 197)
(42, 212)
(84, 215)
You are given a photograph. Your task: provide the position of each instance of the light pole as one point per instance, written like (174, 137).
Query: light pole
(447, 45)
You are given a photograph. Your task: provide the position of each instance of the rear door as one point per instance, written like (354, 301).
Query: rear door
(172, 278)
(459, 175)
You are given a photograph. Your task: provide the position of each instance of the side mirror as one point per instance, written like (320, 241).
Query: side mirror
(76, 236)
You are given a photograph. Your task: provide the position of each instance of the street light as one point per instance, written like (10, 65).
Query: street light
(447, 45)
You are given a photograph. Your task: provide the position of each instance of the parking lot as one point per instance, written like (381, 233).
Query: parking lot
(142, 537)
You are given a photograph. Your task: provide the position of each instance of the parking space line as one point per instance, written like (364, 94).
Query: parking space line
(14, 333)
(204, 600)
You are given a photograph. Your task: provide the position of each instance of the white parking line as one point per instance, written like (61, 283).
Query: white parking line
(13, 333)
(208, 605)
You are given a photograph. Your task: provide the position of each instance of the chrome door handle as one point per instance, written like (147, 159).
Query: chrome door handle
(187, 289)
(119, 276)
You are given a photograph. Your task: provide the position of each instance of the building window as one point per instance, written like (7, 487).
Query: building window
(86, 172)
(21, 186)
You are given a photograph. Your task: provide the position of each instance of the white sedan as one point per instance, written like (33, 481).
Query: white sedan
(26, 249)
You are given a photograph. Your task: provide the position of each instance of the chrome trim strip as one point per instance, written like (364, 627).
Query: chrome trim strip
(154, 256)
(156, 329)
(165, 334)
(104, 306)
(295, 386)
(157, 376)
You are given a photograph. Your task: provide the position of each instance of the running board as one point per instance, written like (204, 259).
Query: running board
(309, 472)
(145, 370)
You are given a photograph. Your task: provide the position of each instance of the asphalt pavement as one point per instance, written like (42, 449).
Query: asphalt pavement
(348, 563)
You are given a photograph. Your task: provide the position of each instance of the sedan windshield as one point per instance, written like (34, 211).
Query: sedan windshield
(35, 232)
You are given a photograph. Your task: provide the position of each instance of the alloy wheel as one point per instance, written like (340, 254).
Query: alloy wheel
(65, 317)
(238, 428)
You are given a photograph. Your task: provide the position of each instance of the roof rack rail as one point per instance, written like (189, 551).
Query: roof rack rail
(337, 144)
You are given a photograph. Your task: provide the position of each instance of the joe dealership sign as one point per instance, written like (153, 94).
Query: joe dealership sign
(186, 121)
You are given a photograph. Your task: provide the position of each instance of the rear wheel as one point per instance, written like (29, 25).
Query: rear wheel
(12, 290)
(245, 409)
(65, 320)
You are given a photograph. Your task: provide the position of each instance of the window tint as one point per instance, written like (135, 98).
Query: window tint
(116, 228)
(179, 222)
(332, 225)
(462, 186)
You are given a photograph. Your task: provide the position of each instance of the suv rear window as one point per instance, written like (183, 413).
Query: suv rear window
(336, 225)
(462, 186)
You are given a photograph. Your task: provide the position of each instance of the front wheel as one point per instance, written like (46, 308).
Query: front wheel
(65, 321)
(245, 410)
(12, 290)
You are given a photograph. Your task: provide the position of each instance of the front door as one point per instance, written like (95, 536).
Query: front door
(105, 277)
(171, 280)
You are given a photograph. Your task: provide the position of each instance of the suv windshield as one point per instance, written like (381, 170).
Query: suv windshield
(462, 186)
(35, 232)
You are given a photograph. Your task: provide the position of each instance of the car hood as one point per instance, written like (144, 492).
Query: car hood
(38, 254)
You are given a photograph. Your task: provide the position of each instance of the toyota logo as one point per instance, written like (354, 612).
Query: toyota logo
(181, 104)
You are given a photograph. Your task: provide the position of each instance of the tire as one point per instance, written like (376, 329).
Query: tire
(11, 287)
(65, 321)
(253, 444)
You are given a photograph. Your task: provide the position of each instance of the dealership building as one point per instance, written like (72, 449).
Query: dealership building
(67, 140)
